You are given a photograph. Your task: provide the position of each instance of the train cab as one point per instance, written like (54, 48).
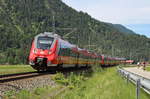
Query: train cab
(44, 47)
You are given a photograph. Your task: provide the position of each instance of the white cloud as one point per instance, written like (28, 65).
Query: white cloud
(115, 11)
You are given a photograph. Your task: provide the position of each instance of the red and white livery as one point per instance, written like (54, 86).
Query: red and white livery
(50, 51)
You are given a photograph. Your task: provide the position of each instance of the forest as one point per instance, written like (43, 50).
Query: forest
(21, 20)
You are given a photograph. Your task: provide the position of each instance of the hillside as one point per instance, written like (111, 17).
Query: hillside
(123, 29)
(21, 20)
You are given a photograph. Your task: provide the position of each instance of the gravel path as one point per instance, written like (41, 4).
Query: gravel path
(27, 83)
(139, 71)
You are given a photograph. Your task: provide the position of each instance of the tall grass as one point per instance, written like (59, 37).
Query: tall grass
(106, 84)
(71, 81)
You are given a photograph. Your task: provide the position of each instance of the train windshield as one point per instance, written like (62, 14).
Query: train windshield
(44, 42)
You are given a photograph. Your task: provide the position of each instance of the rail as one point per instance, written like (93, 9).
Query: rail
(141, 82)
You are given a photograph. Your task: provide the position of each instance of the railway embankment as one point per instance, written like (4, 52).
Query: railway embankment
(15, 79)
(92, 84)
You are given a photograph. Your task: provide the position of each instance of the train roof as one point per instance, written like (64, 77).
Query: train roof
(66, 44)
(110, 57)
(49, 34)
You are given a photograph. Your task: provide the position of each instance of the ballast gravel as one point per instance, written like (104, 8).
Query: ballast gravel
(27, 84)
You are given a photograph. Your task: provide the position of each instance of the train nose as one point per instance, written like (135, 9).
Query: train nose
(41, 61)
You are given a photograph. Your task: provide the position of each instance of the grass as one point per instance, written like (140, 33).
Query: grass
(104, 85)
(9, 69)
(38, 93)
(148, 68)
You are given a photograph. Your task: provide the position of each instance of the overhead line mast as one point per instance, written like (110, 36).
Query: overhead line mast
(54, 30)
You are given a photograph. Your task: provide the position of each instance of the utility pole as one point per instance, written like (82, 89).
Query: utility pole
(93, 32)
(112, 50)
(78, 40)
(54, 30)
(130, 55)
(89, 42)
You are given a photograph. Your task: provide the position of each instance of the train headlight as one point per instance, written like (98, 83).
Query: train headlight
(49, 52)
(34, 51)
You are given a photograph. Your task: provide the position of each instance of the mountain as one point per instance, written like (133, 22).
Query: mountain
(21, 20)
(123, 29)
(140, 28)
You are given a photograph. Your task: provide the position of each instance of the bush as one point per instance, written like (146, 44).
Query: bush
(59, 78)
(73, 80)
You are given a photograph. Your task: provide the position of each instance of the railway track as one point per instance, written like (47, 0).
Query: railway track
(26, 75)
(15, 74)
(31, 80)
(19, 76)
(27, 80)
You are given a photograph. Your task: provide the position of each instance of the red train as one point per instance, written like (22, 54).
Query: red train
(50, 51)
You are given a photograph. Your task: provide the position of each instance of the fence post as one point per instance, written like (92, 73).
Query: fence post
(138, 89)
(128, 77)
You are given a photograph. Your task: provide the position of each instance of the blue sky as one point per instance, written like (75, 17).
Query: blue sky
(134, 14)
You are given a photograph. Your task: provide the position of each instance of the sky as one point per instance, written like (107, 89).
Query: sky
(134, 14)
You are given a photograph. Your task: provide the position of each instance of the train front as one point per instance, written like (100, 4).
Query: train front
(43, 51)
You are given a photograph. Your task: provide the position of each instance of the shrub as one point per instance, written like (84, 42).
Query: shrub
(73, 80)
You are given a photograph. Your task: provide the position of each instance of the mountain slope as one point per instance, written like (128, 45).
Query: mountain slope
(123, 29)
(21, 20)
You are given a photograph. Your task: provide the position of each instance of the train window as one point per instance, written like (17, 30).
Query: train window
(73, 54)
(44, 42)
(64, 52)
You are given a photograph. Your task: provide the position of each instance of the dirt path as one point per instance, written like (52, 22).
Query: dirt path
(139, 71)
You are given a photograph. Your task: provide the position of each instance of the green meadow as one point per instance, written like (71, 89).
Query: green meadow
(9, 69)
